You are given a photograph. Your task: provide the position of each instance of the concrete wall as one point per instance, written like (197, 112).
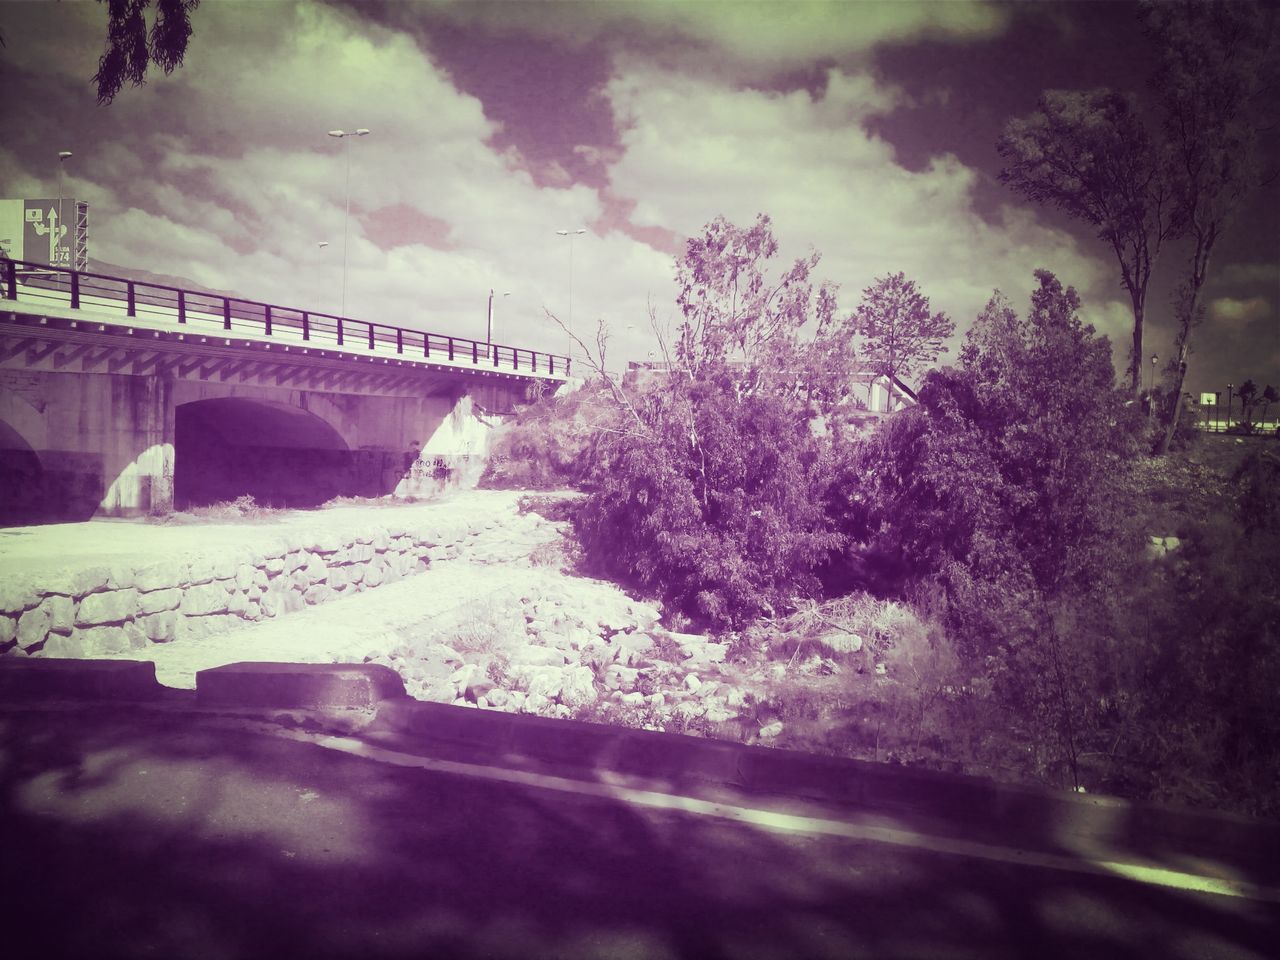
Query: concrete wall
(103, 610)
(107, 444)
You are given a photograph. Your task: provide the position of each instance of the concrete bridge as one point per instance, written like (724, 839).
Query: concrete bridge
(122, 398)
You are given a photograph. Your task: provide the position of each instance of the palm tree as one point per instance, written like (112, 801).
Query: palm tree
(1248, 393)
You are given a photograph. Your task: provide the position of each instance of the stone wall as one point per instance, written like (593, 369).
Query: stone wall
(100, 610)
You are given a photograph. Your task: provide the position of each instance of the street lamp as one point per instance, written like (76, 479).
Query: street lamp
(343, 135)
(1230, 387)
(1151, 385)
(63, 156)
(488, 336)
(571, 234)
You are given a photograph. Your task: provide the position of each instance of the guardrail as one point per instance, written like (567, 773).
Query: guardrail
(157, 301)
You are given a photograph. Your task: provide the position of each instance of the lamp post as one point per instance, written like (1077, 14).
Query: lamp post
(488, 333)
(63, 156)
(1151, 385)
(1230, 387)
(571, 234)
(343, 135)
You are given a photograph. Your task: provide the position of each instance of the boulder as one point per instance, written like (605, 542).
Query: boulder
(158, 601)
(204, 599)
(33, 627)
(114, 606)
(62, 613)
(577, 686)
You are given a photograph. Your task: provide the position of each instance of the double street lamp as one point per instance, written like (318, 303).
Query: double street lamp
(343, 135)
(63, 156)
(571, 234)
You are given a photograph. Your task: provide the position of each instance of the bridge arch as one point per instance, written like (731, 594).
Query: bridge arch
(281, 455)
(22, 479)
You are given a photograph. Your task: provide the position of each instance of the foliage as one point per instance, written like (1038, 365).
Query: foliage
(899, 333)
(1000, 487)
(551, 442)
(706, 492)
(130, 49)
(720, 520)
(1088, 154)
(740, 322)
(1211, 60)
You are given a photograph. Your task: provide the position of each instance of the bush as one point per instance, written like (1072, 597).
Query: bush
(550, 444)
(716, 510)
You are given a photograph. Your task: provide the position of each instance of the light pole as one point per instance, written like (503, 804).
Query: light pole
(63, 156)
(488, 334)
(1151, 385)
(571, 234)
(343, 135)
(1230, 387)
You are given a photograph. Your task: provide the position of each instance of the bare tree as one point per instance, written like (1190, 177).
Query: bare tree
(1211, 64)
(1089, 155)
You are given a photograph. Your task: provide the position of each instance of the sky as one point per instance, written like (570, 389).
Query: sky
(865, 130)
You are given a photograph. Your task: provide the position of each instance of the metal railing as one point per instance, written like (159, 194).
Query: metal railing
(157, 301)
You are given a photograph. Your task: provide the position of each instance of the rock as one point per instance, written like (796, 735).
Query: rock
(160, 576)
(160, 627)
(535, 703)
(324, 541)
(252, 611)
(274, 566)
(8, 629)
(98, 641)
(65, 648)
(33, 627)
(478, 689)
(244, 576)
(578, 686)
(462, 677)
(689, 709)
(515, 700)
(112, 607)
(62, 613)
(317, 570)
(318, 593)
(718, 714)
(692, 682)
(375, 574)
(17, 595)
(498, 697)
(204, 599)
(545, 682)
(633, 699)
(260, 578)
(735, 697)
(771, 730)
(157, 601)
(295, 560)
(618, 677)
(200, 572)
(533, 655)
(842, 642)
(442, 651)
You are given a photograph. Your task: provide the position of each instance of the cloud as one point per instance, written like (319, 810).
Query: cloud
(1238, 314)
(693, 149)
(770, 34)
(1250, 273)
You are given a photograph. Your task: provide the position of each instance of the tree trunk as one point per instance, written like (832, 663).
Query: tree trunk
(1135, 361)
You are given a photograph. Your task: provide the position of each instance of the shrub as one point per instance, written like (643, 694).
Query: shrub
(716, 510)
(550, 443)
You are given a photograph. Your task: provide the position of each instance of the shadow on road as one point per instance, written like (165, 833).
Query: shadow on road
(135, 835)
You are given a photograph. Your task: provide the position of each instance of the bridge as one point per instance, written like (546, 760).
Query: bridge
(120, 397)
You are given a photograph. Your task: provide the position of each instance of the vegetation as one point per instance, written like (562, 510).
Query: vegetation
(131, 48)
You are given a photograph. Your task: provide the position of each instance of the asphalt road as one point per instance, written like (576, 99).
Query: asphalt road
(127, 832)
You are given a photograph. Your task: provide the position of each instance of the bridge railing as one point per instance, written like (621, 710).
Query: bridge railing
(27, 281)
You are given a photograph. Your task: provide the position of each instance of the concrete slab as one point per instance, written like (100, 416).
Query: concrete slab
(28, 680)
(298, 685)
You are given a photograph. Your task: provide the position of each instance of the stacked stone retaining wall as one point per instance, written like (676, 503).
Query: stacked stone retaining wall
(93, 611)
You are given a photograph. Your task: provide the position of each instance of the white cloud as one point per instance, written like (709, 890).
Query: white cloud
(1238, 314)
(693, 149)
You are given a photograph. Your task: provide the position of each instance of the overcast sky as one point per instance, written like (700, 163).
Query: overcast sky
(865, 130)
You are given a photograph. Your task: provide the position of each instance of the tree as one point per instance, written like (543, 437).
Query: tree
(1269, 396)
(899, 334)
(1001, 486)
(1248, 394)
(130, 49)
(710, 498)
(1089, 155)
(1211, 59)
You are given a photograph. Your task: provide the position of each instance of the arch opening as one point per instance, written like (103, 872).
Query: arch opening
(282, 456)
(22, 480)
